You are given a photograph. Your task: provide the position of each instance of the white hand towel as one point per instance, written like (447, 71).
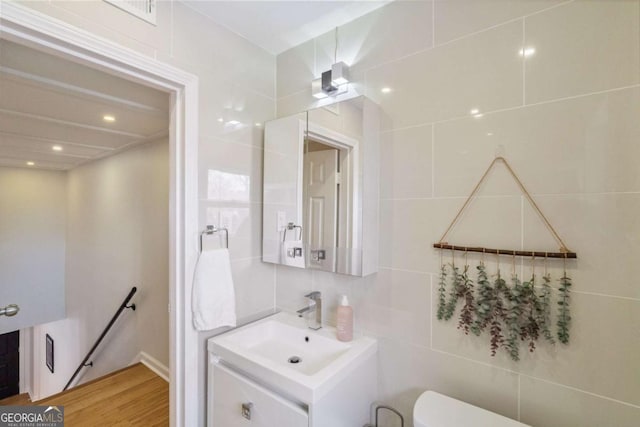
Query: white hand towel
(288, 253)
(213, 301)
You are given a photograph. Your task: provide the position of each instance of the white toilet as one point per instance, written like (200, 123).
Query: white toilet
(437, 410)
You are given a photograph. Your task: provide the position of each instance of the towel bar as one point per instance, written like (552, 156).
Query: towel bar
(291, 226)
(210, 230)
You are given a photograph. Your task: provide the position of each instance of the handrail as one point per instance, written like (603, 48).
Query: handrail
(84, 363)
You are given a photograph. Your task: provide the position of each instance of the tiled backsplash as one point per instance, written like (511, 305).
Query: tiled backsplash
(557, 86)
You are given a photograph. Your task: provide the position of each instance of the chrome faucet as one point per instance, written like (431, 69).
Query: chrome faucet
(315, 304)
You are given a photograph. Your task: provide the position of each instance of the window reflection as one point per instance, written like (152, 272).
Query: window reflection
(228, 186)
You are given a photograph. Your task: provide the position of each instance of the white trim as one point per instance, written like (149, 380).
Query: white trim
(350, 147)
(302, 125)
(152, 363)
(28, 27)
(26, 358)
(330, 137)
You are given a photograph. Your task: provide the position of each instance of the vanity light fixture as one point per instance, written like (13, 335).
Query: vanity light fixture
(332, 82)
(327, 85)
(316, 89)
(339, 74)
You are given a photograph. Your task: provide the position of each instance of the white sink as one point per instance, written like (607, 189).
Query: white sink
(266, 349)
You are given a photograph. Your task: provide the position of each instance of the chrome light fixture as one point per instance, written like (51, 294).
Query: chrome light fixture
(332, 82)
(339, 74)
(316, 89)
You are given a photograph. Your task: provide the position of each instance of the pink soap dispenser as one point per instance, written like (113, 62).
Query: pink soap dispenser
(345, 320)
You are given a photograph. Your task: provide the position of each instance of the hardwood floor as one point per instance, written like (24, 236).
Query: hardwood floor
(134, 396)
(18, 400)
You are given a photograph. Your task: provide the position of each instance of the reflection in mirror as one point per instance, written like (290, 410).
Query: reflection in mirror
(321, 189)
(282, 193)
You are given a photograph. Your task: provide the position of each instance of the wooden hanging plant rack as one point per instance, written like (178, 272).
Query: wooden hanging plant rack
(563, 252)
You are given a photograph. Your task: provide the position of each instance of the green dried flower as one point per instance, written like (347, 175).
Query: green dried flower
(457, 291)
(564, 319)
(529, 330)
(543, 309)
(442, 289)
(484, 302)
(468, 309)
(513, 319)
(497, 315)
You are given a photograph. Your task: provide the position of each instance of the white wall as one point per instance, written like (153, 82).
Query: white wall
(237, 82)
(116, 237)
(32, 245)
(568, 119)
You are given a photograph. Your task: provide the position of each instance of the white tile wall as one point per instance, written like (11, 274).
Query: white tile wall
(566, 117)
(485, 71)
(585, 46)
(237, 82)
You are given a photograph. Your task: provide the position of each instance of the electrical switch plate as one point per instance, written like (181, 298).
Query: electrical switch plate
(282, 220)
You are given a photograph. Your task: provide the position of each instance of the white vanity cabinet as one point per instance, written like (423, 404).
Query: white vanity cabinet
(276, 372)
(237, 401)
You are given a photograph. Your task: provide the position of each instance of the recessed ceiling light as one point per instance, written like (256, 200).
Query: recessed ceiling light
(474, 111)
(233, 122)
(56, 148)
(109, 118)
(258, 124)
(30, 164)
(220, 119)
(489, 133)
(385, 90)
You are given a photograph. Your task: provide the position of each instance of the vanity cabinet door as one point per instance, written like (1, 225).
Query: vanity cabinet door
(264, 408)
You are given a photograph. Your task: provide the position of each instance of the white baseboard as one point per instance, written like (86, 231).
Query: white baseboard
(153, 364)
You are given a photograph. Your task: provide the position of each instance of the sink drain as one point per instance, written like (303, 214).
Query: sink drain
(295, 359)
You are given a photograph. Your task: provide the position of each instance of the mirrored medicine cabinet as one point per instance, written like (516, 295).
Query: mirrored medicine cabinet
(321, 188)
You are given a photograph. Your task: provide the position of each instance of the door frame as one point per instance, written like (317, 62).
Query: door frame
(350, 156)
(25, 26)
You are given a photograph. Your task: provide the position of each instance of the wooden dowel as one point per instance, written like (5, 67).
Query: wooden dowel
(510, 252)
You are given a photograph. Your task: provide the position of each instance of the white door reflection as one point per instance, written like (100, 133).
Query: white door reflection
(321, 188)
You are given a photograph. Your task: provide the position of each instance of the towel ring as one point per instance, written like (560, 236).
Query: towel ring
(211, 230)
(291, 226)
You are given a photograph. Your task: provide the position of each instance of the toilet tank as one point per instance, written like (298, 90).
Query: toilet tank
(437, 410)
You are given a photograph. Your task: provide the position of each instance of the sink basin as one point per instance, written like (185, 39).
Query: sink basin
(282, 352)
(289, 346)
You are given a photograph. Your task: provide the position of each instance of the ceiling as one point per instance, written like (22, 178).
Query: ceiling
(52, 111)
(280, 25)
